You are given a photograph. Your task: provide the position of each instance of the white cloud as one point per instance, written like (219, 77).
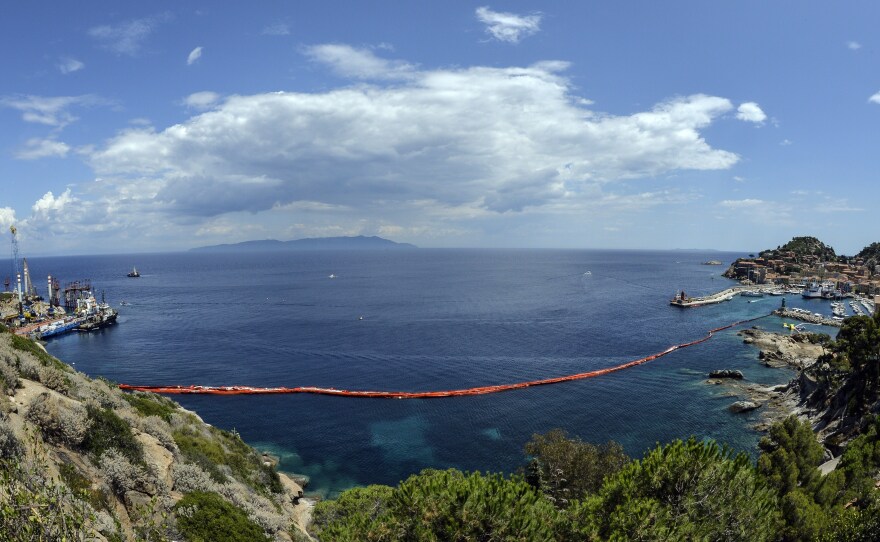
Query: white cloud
(42, 148)
(785, 142)
(750, 112)
(49, 204)
(348, 61)
(194, 55)
(127, 38)
(7, 218)
(201, 100)
(69, 65)
(48, 110)
(853, 45)
(739, 179)
(742, 203)
(277, 29)
(875, 98)
(508, 27)
(444, 153)
(493, 139)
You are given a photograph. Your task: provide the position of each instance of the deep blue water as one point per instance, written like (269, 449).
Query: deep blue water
(432, 319)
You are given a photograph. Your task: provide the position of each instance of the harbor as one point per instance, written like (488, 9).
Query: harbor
(66, 309)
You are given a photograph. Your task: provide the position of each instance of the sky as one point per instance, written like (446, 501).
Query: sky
(161, 126)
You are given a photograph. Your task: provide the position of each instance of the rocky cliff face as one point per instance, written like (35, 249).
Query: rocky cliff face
(84, 460)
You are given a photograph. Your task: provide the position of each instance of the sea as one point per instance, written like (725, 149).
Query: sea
(425, 319)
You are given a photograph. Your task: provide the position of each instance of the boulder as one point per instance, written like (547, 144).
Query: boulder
(743, 406)
(726, 373)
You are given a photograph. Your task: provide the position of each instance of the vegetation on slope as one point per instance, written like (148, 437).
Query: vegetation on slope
(870, 252)
(81, 460)
(803, 246)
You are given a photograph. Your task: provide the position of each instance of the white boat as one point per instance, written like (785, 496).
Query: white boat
(752, 293)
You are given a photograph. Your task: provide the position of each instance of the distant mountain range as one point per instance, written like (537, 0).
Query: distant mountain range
(316, 243)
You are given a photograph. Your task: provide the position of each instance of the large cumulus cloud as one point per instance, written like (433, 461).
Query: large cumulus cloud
(499, 139)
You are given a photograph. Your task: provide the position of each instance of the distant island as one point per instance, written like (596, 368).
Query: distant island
(359, 242)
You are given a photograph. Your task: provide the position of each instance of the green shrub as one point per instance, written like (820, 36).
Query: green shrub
(225, 448)
(854, 525)
(861, 461)
(81, 487)
(689, 490)
(353, 513)
(438, 506)
(203, 452)
(110, 431)
(566, 469)
(26, 345)
(34, 508)
(150, 404)
(206, 517)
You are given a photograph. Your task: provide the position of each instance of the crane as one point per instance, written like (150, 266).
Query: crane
(14, 232)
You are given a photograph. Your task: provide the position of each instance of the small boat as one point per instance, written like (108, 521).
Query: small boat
(332, 276)
(134, 273)
(752, 293)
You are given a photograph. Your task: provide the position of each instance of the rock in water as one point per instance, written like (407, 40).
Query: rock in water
(743, 406)
(726, 373)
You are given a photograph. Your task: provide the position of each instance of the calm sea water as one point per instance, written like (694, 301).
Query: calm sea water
(432, 319)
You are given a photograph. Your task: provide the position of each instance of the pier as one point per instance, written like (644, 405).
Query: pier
(683, 300)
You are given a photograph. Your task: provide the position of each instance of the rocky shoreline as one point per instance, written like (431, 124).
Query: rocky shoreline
(773, 403)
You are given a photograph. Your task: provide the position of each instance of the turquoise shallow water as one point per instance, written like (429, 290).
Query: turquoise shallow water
(432, 319)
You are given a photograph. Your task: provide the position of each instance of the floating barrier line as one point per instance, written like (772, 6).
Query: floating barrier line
(483, 390)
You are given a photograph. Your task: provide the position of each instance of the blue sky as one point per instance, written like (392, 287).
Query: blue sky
(155, 126)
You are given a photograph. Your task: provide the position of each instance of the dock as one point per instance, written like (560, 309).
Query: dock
(806, 316)
(683, 300)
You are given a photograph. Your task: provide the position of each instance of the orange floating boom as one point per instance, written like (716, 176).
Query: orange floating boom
(483, 390)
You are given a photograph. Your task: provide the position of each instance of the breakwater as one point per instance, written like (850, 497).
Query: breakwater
(682, 300)
(805, 316)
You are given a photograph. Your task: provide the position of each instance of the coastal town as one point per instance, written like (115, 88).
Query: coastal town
(804, 266)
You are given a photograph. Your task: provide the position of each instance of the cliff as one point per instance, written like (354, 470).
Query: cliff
(83, 460)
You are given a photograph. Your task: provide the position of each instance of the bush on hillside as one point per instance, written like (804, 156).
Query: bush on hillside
(120, 474)
(110, 431)
(8, 372)
(150, 404)
(59, 421)
(688, 490)
(33, 507)
(206, 517)
(567, 469)
(10, 446)
(189, 478)
(54, 379)
(26, 345)
(441, 505)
